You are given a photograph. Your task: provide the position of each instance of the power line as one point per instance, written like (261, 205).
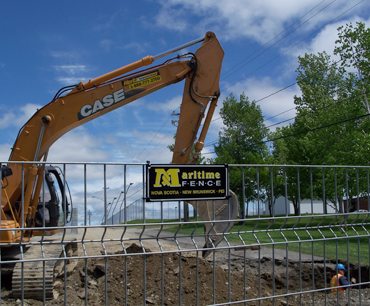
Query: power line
(171, 131)
(284, 121)
(164, 123)
(288, 110)
(278, 123)
(278, 55)
(276, 92)
(291, 47)
(280, 90)
(268, 96)
(281, 38)
(262, 53)
(317, 128)
(320, 108)
(309, 130)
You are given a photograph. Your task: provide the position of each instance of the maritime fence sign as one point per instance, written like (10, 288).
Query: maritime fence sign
(172, 182)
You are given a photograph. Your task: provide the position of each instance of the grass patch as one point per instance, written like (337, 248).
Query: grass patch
(329, 237)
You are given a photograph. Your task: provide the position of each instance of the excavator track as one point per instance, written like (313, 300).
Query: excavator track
(35, 277)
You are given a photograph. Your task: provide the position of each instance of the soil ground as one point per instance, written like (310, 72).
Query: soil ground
(234, 274)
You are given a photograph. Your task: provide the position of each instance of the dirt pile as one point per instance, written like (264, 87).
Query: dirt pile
(147, 279)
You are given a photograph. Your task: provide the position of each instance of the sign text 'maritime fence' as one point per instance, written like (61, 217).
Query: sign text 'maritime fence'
(186, 182)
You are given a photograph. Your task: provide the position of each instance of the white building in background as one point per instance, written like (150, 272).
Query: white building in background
(316, 207)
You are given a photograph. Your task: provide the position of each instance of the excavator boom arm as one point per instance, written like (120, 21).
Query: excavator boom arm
(20, 207)
(90, 100)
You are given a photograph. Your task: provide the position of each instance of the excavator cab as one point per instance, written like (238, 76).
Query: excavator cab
(5, 172)
(55, 201)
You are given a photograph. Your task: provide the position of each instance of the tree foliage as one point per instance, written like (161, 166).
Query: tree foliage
(241, 141)
(331, 128)
(201, 159)
(332, 123)
(353, 47)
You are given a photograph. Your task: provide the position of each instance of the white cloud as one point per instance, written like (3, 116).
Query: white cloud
(5, 151)
(70, 80)
(137, 47)
(7, 120)
(78, 146)
(106, 22)
(64, 54)
(70, 74)
(256, 89)
(168, 106)
(26, 112)
(172, 19)
(13, 118)
(260, 20)
(139, 117)
(153, 146)
(106, 44)
(325, 39)
(70, 69)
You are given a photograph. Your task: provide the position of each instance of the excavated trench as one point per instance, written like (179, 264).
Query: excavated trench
(199, 281)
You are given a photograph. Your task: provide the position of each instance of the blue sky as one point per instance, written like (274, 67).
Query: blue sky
(46, 45)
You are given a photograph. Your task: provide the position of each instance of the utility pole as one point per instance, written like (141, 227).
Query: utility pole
(186, 212)
(89, 213)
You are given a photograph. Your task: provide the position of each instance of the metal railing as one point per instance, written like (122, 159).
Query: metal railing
(296, 224)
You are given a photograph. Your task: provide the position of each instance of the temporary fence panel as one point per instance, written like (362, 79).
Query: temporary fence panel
(121, 250)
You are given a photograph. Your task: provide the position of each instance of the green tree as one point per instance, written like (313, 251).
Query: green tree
(241, 141)
(353, 47)
(332, 123)
(201, 159)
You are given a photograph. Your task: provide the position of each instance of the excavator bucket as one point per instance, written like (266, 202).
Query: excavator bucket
(217, 210)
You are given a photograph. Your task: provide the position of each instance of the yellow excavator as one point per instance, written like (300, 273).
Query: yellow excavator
(24, 180)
